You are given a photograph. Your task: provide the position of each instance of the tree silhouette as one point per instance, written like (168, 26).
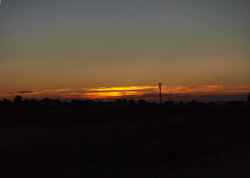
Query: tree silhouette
(6, 102)
(248, 98)
(18, 99)
(131, 102)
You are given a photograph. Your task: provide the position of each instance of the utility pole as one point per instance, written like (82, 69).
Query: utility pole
(160, 91)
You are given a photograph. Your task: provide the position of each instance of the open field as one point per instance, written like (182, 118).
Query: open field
(146, 140)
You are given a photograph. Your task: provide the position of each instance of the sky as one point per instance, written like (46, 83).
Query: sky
(106, 49)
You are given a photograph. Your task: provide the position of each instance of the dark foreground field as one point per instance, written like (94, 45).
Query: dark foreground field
(125, 140)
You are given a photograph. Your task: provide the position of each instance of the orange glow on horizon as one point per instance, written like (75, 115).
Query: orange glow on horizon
(120, 88)
(134, 92)
(104, 95)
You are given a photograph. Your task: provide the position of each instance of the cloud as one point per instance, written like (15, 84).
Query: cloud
(126, 88)
(193, 89)
(33, 92)
(61, 90)
(114, 92)
(27, 92)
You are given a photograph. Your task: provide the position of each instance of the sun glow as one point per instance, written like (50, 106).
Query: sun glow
(117, 92)
(120, 88)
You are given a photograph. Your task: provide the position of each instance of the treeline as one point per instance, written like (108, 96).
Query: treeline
(48, 112)
(19, 101)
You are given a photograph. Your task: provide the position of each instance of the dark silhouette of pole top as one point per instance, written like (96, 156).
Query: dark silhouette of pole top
(160, 91)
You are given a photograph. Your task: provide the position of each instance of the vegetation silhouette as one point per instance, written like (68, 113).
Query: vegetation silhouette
(51, 138)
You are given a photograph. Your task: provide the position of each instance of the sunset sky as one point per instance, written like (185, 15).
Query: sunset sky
(107, 49)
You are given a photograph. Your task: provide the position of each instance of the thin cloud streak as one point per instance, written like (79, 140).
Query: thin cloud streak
(129, 88)
(27, 92)
(33, 92)
(193, 89)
